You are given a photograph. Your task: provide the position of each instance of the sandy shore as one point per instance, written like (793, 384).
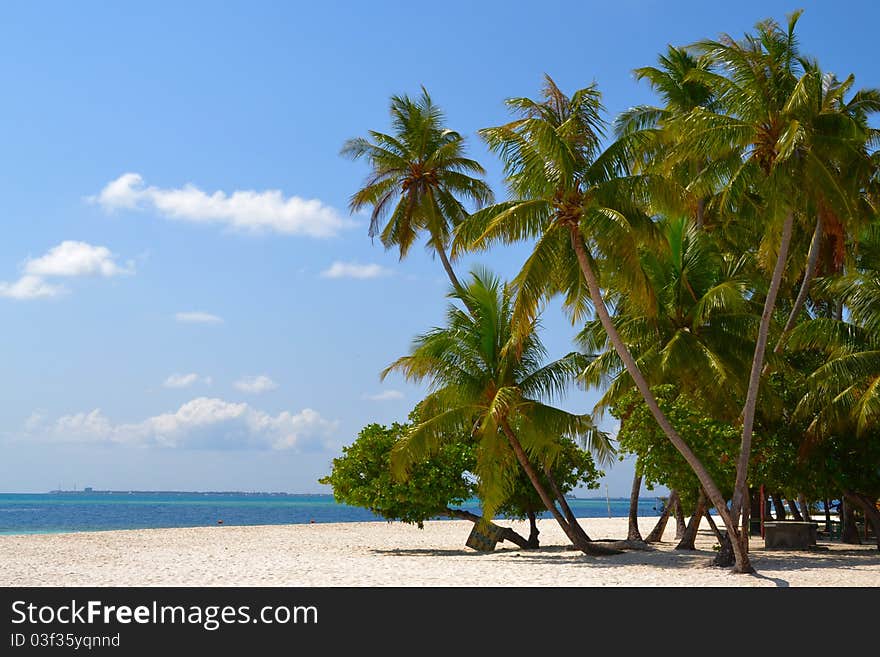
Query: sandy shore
(395, 554)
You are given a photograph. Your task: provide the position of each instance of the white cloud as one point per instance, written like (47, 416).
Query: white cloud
(185, 380)
(202, 423)
(250, 210)
(68, 259)
(255, 384)
(29, 287)
(341, 269)
(71, 258)
(198, 318)
(385, 395)
(35, 420)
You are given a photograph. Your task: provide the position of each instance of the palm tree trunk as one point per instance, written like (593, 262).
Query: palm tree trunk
(712, 524)
(809, 274)
(690, 535)
(742, 465)
(584, 546)
(533, 530)
(656, 534)
(872, 515)
(742, 560)
(633, 533)
(441, 251)
(781, 514)
(795, 512)
(805, 507)
(449, 270)
(680, 525)
(849, 533)
(566, 509)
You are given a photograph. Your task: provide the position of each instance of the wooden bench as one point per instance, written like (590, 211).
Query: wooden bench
(790, 535)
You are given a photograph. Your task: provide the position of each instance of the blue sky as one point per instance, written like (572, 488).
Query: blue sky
(185, 302)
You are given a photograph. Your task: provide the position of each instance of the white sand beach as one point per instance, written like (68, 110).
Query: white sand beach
(396, 554)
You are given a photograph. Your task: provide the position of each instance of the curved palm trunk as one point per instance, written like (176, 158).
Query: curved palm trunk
(526, 465)
(657, 533)
(566, 509)
(633, 533)
(576, 539)
(742, 560)
(809, 275)
(449, 270)
(438, 247)
(742, 464)
(688, 541)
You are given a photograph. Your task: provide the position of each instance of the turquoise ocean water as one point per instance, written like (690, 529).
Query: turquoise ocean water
(22, 513)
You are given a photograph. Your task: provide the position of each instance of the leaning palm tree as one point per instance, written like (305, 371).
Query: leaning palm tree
(571, 197)
(419, 178)
(491, 384)
(701, 336)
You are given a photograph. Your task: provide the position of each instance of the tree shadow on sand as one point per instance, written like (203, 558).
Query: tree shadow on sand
(833, 558)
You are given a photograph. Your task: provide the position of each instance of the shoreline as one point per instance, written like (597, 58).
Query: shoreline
(380, 553)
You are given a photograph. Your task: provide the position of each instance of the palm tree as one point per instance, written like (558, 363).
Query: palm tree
(763, 110)
(700, 337)
(648, 127)
(844, 392)
(820, 100)
(489, 383)
(419, 178)
(570, 196)
(699, 340)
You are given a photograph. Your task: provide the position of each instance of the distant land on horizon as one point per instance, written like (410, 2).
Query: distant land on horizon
(91, 491)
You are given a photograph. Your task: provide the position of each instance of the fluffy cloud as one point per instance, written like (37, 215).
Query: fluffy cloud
(29, 287)
(68, 259)
(198, 318)
(72, 258)
(202, 423)
(385, 395)
(354, 270)
(255, 384)
(249, 210)
(185, 380)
